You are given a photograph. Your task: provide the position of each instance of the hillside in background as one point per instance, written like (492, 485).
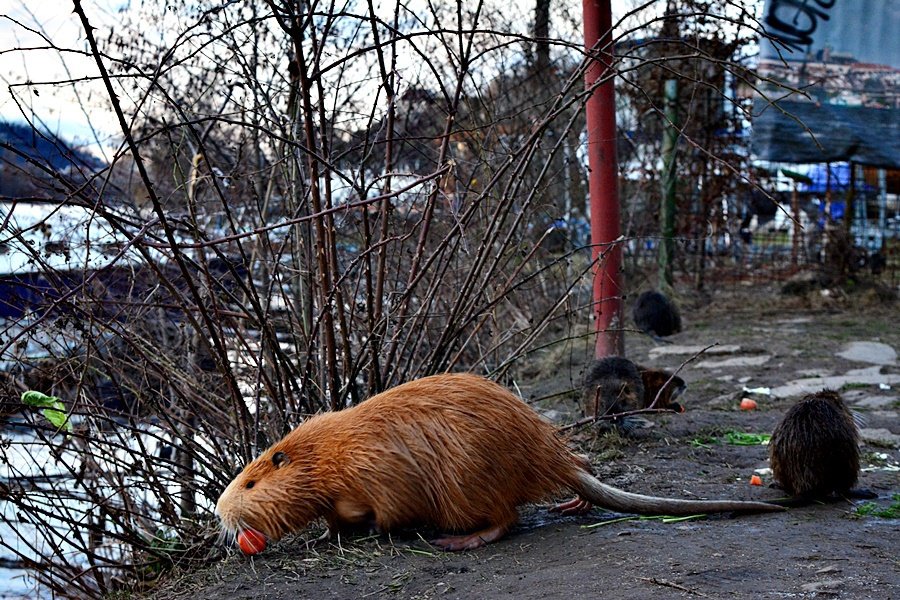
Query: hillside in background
(31, 161)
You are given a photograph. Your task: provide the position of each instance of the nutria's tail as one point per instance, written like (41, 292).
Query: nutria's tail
(596, 492)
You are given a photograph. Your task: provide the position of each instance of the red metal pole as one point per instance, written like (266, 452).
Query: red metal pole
(603, 180)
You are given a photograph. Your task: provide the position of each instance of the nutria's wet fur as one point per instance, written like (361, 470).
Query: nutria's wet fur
(457, 452)
(814, 450)
(615, 385)
(656, 315)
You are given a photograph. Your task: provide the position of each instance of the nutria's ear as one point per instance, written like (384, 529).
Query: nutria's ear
(280, 459)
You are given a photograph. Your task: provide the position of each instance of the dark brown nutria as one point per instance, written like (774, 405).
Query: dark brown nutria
(656, 315)
(814, 450)
(615, 385)
(672, 387)
(456, 452)
(612, 385)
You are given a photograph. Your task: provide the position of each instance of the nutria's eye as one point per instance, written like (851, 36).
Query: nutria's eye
(279, 459)
(250, 484)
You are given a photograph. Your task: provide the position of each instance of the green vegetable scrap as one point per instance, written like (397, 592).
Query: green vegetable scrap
(870, 509)
(735, 438)
(53, 409)
(738, 438)
(704, 441)
(661, 518)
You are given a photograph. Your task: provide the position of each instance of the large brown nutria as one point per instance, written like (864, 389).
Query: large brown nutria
(814, 450)
(656, 315)
(456, 452)
(615, 385)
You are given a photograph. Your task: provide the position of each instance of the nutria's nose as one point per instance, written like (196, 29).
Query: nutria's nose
(220, 502)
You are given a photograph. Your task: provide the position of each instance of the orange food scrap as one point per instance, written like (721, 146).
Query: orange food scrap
(755, 480)
(748, 404)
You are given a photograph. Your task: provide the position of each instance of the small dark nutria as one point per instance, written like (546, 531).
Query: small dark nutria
(455, 452)
(615, 385)
(612, 385)
(656, 315)
(814, 450)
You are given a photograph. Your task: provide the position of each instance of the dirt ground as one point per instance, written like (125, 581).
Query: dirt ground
(824, 550)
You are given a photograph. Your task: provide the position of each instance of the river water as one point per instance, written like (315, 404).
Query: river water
(24, 457)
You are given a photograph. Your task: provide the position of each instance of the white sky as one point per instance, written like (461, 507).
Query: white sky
(60, 107)
(79, 112)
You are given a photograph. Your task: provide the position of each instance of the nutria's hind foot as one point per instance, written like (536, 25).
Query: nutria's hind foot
(455, 543)
(575, 506)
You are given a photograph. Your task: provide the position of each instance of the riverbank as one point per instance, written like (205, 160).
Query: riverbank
(769, 345)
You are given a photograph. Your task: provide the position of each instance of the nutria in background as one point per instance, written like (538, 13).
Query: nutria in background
(656, 315)
(814, 450)
(455, 452)
(615, 385)
(612, 385)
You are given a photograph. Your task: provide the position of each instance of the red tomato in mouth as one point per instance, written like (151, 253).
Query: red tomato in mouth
(251, 541)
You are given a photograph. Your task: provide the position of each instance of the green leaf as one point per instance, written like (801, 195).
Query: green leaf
(54, 410)
(33, 398)
(58, 418)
